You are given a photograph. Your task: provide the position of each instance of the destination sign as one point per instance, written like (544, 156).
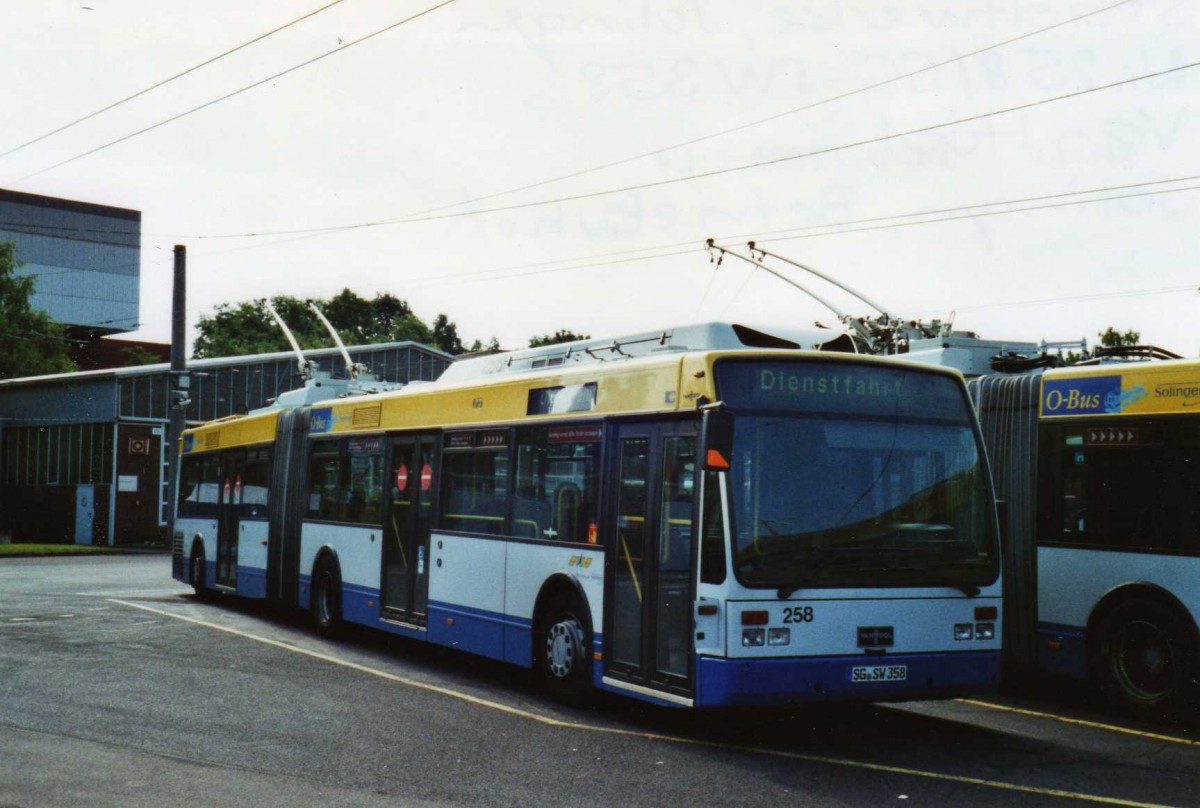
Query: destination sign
(841, 387)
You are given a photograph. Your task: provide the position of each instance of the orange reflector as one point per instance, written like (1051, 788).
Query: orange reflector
(591, 534)
(755, 618)
(706, 609)
(985, 612)
(449, 621)
(716, 460)
(1054, 645)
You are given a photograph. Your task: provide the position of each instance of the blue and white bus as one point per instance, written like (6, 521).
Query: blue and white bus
(738, 525)
(1101, 467)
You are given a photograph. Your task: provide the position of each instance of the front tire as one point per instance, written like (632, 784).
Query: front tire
(563, 644)
(1145, 659)
(327, 600)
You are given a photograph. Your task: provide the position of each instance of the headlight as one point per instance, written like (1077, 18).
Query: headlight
(779, 636)
(753, 637)
(964, 631)
(985, 631)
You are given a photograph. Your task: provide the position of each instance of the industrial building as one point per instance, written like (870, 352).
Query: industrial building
(82, 455)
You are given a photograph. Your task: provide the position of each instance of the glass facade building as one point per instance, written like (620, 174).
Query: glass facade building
(86, 259)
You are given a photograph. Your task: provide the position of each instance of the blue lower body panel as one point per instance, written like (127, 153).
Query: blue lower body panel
(251, 582)
(1061, 650)
(774, 682)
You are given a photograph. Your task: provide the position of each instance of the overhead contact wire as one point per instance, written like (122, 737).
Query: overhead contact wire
(167, 81)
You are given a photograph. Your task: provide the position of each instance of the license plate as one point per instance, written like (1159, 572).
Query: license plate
(879, 673)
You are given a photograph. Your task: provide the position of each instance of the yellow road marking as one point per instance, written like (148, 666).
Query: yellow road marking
(652, 736)
(1081, 722)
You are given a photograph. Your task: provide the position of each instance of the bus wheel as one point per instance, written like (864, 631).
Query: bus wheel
(563, 644)
(1145, 659)
(327, 599)
(198, 575)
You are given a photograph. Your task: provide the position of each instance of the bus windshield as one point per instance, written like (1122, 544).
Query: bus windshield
(854, 475)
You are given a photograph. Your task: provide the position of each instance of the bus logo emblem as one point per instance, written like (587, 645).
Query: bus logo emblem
(876, 636)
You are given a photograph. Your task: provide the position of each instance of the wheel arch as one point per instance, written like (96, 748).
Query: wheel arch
(1139, 590)
(327, 554)
(556, 584)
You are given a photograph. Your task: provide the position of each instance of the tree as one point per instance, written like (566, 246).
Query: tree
(445, 335)
(559, 336)
(1111, 338)
(135, 355)
(31, 344)
(236, 329)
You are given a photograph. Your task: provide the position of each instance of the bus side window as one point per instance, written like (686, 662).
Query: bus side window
(557, 478)
(475, 492)
(325, 499)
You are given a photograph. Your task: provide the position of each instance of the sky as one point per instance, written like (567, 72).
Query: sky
(637, 130)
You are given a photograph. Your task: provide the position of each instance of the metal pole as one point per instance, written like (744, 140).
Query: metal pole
(753, 248)
(179, 381)
(857, 325)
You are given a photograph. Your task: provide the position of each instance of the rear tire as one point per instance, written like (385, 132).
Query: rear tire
(1145, 659)
(563, 648)
(327, 599)
(198, 574)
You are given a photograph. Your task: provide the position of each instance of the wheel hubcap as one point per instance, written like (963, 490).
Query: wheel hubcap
(1145, 660)
(564, 647)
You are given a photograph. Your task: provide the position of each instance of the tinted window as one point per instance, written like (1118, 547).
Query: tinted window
(1125, 484)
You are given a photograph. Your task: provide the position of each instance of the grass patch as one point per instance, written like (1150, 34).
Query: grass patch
(18, 550)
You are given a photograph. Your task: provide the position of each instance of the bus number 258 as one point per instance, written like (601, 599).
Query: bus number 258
(798, 614)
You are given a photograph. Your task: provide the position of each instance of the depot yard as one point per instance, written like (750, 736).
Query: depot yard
(120, 688)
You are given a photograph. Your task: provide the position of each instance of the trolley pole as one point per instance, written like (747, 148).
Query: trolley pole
(180, 383)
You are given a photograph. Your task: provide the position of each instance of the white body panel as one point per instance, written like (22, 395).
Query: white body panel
(923, 619)
(252, 544)
(1072, 581)
(206, 529)
(529, 565)
(467, 572)
(357, 551)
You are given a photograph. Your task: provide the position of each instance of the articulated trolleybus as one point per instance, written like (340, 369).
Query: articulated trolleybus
(1103, 464)
(742, 523)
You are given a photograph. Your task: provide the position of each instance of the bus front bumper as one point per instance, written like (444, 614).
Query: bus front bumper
(724, 682)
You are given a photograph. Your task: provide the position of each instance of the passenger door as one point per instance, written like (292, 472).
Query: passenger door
(228, 517)
(411, 478)
(650, 555)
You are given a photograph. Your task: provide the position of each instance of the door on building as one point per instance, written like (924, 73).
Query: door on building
(649, 574)
(139, 469)
(85, 513)
(229, 500)
(406, 528)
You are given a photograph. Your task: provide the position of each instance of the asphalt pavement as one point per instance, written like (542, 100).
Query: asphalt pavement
(119, 688)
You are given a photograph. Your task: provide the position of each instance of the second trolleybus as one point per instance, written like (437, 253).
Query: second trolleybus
(749, 526)
(1101, 467)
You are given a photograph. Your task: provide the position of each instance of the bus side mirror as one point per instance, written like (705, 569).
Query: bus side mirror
(718, 439)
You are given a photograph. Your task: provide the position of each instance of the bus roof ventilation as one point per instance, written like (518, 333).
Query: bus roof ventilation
(714, 336)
